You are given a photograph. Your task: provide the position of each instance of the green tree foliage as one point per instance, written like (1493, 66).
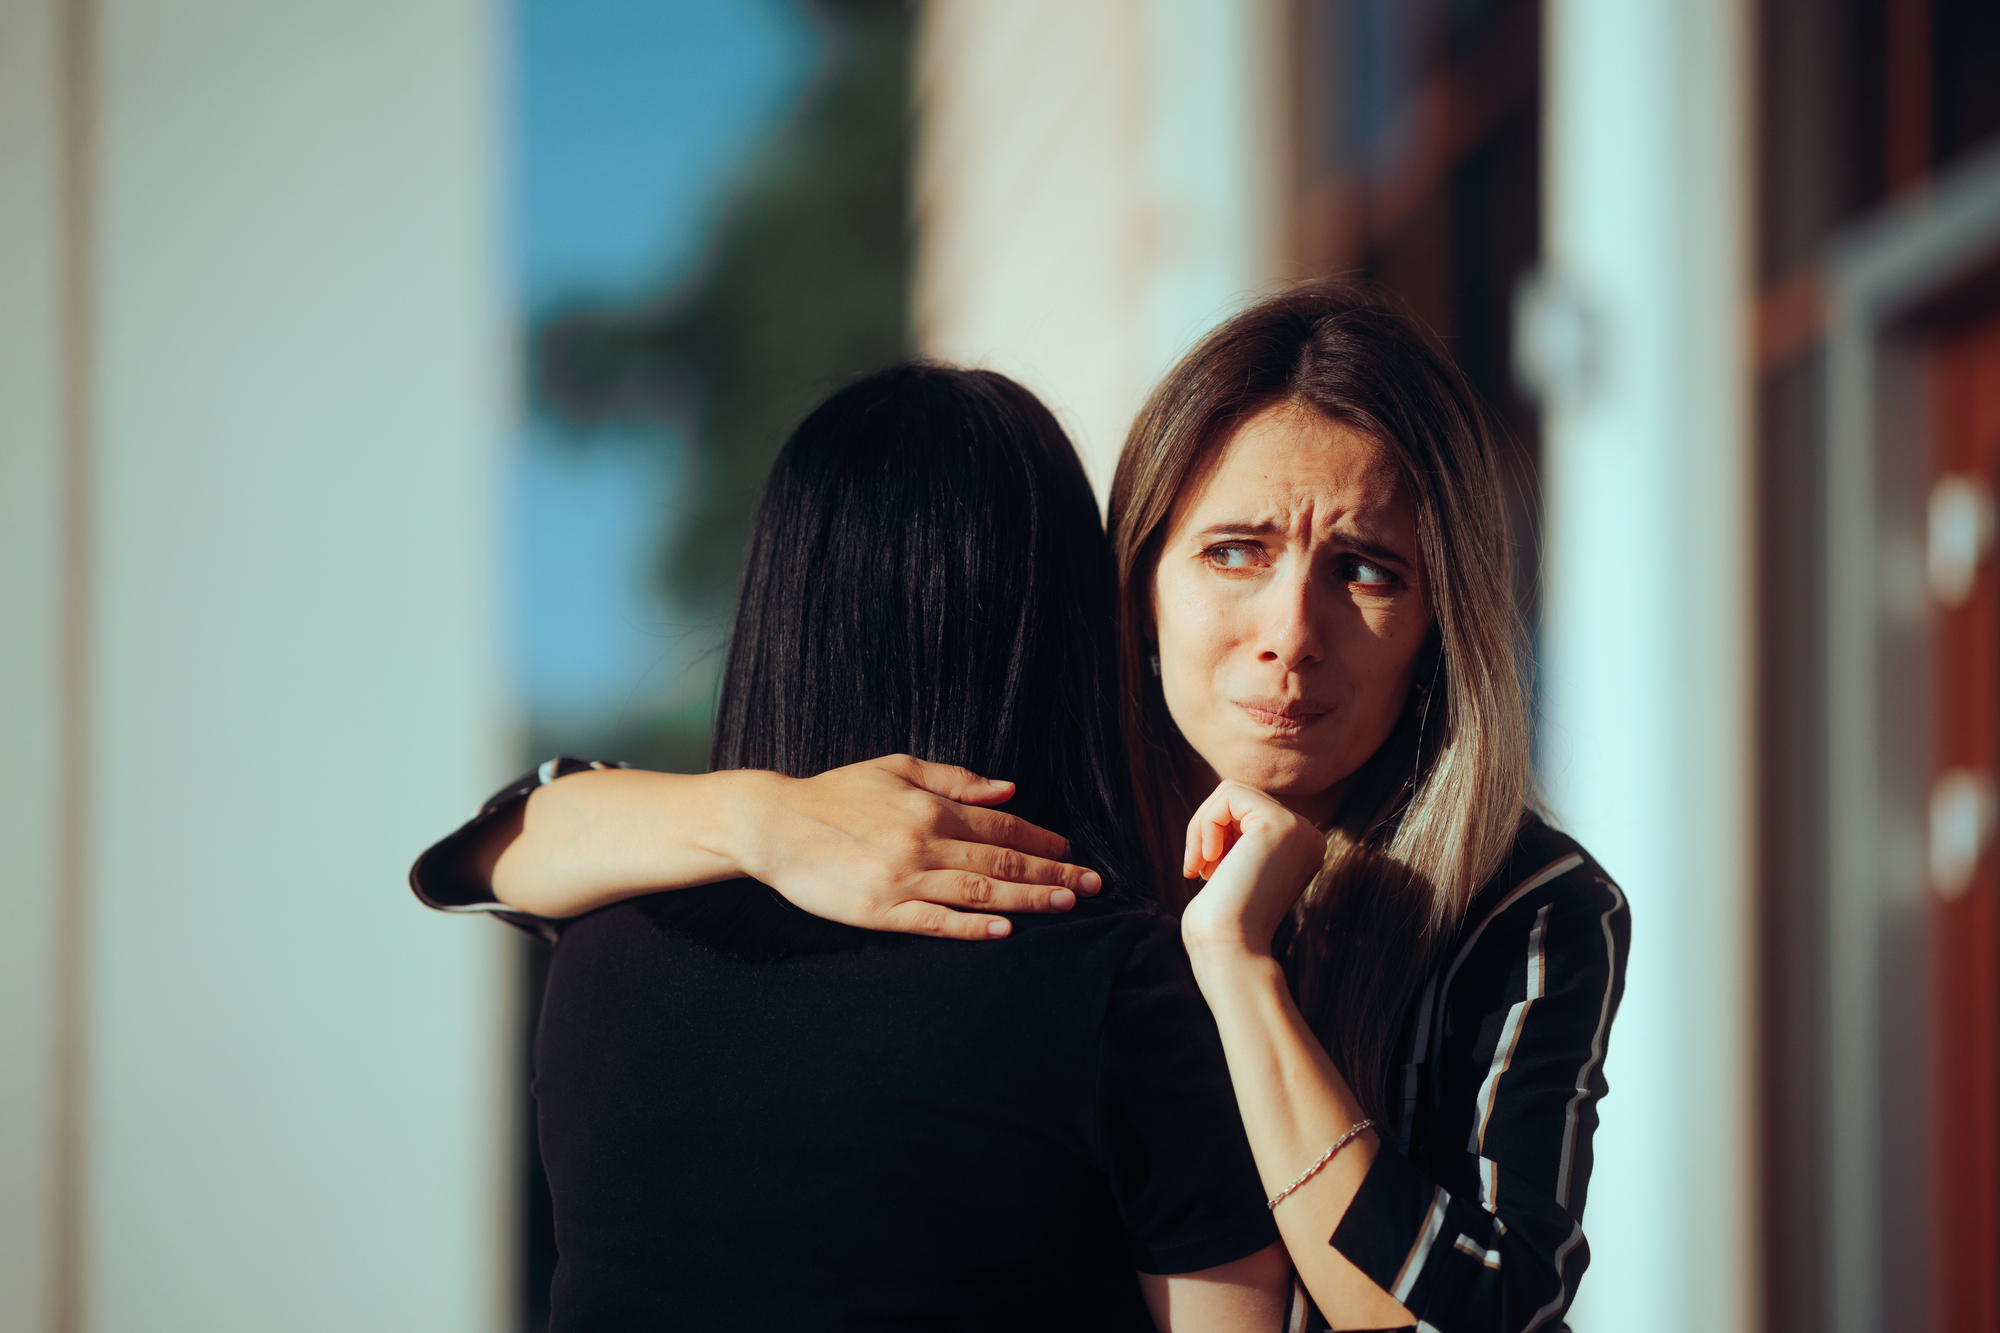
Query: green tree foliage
(806, 288)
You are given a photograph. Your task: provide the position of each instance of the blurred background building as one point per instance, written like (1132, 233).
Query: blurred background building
(384, 390)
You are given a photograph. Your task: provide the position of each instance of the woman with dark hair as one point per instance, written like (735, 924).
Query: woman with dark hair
(1321, 676)
(755, 1118)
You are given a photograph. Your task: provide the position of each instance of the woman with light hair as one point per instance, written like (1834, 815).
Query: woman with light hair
(1324, 714)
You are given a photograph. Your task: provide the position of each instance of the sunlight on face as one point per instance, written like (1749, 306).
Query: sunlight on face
(1290, 606)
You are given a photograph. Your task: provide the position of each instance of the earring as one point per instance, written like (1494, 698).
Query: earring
(1153, 665)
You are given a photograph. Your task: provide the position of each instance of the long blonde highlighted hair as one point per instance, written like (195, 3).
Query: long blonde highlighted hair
(1433, 813)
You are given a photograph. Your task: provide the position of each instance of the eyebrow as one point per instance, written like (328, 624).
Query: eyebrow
(1266, 528)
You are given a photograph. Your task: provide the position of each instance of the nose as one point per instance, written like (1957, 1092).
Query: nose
(1289, 635)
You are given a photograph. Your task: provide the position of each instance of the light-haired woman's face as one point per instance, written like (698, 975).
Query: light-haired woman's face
(1290, 606)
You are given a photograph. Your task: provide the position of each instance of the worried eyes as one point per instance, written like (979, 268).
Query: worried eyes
(1348, 567)
(1368, 574)
(1234, 556)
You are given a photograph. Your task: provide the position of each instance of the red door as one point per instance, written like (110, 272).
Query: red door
(1964, 868)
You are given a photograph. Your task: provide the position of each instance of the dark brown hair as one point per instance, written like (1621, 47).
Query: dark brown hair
(1434, 811)
(928, 574)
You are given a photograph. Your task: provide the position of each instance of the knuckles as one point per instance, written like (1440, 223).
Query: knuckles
(927, 814)
(907, 845)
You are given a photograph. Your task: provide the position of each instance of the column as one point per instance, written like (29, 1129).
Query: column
(1646, 639)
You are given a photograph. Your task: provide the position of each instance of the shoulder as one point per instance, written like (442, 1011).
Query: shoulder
(1114, 941)
(1129, 955)
(1551, 897)
(1118, 921)
(1546, 868)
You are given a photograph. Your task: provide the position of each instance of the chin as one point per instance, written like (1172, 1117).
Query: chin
(1271, 773)
(1303, 790)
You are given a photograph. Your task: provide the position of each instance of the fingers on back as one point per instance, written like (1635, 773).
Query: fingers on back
(947, 780)
(1004, 830)
(916, 918)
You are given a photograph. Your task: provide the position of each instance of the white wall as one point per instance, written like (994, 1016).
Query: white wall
(1097, 185)
(31, 625)
(293, 1097)
(1649, 580)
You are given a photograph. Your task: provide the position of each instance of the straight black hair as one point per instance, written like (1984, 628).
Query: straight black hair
(928, 574)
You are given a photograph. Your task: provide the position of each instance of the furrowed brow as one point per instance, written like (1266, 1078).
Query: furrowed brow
(1373, 550)
(1352, 541)
(1241, 528)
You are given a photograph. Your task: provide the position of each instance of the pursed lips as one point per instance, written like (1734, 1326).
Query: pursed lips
(1287, 719)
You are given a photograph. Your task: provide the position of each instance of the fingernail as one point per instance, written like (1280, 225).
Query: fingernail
(998, 927)
(1090, 883)
(1062, 900)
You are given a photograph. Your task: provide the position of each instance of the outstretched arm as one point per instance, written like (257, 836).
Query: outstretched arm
(890, 844)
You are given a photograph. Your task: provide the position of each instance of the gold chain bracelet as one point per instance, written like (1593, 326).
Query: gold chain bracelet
(1314, 1169)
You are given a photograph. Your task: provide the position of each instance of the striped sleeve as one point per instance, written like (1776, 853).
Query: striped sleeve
(1473, 1217)
(439, 877)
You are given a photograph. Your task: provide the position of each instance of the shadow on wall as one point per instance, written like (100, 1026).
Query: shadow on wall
(805, 287)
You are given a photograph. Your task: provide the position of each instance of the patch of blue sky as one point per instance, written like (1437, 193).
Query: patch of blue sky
(633, 119)
(596, 644)
(633, 122)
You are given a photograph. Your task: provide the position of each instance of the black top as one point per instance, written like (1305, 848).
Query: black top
(880, 1131)
(1472, 1216)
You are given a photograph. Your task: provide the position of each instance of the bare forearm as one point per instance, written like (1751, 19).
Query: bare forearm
(591, 839)
(887, 844)
(1294, 1105)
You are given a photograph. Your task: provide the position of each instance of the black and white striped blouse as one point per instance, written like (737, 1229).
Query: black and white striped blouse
(1472, 1215)
(1475, 1221)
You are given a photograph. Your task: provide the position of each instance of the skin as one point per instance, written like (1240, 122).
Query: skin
(1291, 609)
(1251, 1293)
(884, 844)
(1294, 1103)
